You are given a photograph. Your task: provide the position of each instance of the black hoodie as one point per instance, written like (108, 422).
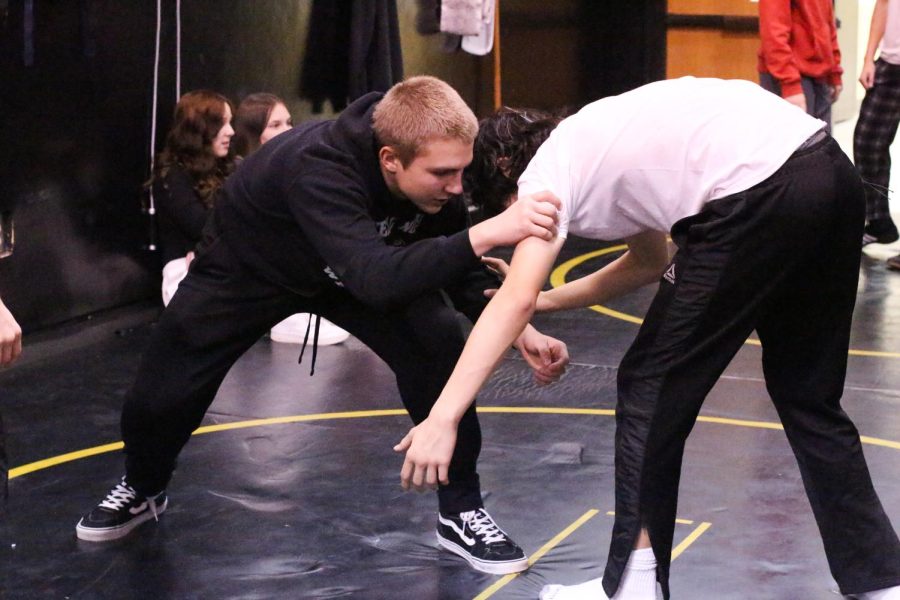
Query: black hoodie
(310, 209)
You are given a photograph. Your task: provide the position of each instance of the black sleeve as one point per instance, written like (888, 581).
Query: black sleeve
(467, 293)
(331, 206)
(181, 205)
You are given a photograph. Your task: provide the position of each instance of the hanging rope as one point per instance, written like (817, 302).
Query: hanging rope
(177, 50)
(151, 208)
(498, 78)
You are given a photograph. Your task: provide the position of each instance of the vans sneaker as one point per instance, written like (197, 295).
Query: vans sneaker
(120, 512)
(474, 536)
(880, 231)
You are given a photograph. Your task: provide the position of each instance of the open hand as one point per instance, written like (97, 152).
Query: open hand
(429, 447)
(10, 337)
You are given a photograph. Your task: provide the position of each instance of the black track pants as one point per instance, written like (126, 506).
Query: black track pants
(781, 258)
(221, 310)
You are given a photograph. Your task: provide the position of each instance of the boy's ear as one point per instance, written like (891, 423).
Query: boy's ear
(389, 159)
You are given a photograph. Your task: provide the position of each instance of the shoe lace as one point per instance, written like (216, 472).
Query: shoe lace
(482, 525)
(119, 497)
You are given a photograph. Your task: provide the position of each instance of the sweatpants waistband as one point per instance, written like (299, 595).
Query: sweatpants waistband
(812, 140)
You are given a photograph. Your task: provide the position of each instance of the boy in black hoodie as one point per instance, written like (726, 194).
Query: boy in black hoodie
(359, 220)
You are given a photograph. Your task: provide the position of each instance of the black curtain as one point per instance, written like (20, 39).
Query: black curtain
(353, 47)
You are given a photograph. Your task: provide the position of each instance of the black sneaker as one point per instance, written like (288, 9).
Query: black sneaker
(880, 231)
(120, 512)
(474, 536)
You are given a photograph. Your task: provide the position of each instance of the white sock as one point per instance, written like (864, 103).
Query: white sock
(891, 593)
(639, 579)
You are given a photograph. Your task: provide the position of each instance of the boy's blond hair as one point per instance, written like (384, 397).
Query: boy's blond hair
(418, 110)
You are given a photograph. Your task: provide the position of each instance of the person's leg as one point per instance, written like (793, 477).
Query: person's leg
(4, 468)
(218, 312)
(421, 343)
(770, 84)
(818, 99)
(875, 130)
(694, 326)
(732, 258)
(805, 342)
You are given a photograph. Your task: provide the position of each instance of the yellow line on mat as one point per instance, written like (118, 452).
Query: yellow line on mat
(544, 410)
(63, 458)
(690, 539)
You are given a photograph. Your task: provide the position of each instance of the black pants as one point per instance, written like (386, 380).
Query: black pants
(781, 258)
(4, 469)
(221, 310)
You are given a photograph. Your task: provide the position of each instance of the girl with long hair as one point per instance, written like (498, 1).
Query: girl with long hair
(187, 178)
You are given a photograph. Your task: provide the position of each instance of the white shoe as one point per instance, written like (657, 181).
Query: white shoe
(891, 593)
(293, 329)
(589, 590)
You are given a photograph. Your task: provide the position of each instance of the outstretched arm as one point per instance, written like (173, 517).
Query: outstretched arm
(642, 264)
(429, 446)
(10, 337)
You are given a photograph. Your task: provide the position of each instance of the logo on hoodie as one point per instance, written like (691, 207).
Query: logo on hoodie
(389, 225)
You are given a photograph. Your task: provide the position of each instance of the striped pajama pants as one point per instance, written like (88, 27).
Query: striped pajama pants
(879, 116)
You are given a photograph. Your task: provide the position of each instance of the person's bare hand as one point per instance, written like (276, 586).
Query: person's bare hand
(498, 266)
(867, 75)
(798, 100)
(10, 337)
(836, 92)
(547, 356)
(534, 215)
(429, 448)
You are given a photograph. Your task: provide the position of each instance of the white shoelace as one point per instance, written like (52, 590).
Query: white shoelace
(483, 526)
(120, 496)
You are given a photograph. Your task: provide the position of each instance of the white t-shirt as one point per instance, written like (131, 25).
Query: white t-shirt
(890, 43)
(645, 159)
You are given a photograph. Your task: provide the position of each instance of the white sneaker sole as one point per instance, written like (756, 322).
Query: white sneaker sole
(485, 566)
(108, 534)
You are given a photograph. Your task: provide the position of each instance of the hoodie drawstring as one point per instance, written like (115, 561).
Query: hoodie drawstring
(315, 349)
